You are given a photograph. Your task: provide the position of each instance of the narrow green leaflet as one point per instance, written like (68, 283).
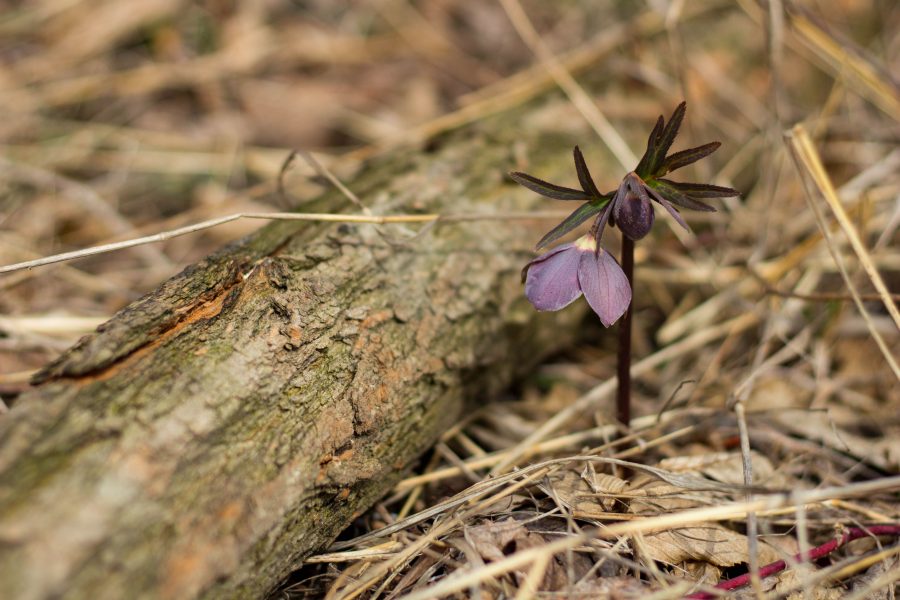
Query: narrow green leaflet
(686, 157)
(667, 138)
(545, 188)
(579, 216)
(670, 193)
(702, 190)
(584, 176)
(643, 168)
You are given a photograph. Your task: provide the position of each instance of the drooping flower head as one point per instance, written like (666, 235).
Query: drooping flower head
(557, 278)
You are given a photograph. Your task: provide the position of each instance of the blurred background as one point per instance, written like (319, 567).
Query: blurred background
(128, 117)
(123, 118)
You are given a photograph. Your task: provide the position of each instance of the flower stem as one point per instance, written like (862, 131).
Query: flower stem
(623, 396)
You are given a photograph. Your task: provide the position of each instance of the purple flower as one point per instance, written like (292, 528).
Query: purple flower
(557, 278)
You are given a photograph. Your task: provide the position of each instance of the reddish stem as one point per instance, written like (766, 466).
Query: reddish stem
(623, 395)
(853, 533)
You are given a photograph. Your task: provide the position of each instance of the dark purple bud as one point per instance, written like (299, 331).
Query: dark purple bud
(633, 214)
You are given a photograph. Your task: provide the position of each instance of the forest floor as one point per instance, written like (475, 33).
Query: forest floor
(766, 345)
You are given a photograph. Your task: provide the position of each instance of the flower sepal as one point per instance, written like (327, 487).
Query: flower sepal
(556, 279)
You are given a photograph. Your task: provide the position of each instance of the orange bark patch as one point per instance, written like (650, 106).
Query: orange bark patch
(345, 455)
(200, 312)
(370, 322)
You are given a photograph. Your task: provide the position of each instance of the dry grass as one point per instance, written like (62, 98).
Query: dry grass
(766, 346)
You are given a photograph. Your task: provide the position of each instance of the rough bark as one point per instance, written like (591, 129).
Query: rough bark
(215, 432)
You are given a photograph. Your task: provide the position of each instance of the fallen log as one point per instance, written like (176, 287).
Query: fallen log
(214, 433)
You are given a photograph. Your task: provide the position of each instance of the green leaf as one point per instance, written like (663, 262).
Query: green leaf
(673, 195)
(686, 157)
(702, 190)
(667, 137)
(584, 176)
(581, 214)
(545, 188)
(644, 167)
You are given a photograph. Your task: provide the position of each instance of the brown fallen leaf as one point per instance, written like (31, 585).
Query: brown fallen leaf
(712, 543)
(491, 537)
(496, 540)
(586, 493)
(797, 579)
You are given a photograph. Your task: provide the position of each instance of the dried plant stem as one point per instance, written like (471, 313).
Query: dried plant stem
(853, 533)
(623, 395)
(808, 164)
(322, 217)
(752, 522)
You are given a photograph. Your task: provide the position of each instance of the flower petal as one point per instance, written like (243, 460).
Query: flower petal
(552, 279)
(605, 286)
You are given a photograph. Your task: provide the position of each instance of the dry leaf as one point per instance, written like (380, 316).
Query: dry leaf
(649, 496)
(587, 494)
(797, 578)
(701, 572)
(495, 540)
(823, 428)
(776, 394)
(491, 538)
(693, 463)
(871, 577)
(711, 543)
(609, 588)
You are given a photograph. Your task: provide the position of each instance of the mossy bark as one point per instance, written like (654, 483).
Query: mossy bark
(217, 431)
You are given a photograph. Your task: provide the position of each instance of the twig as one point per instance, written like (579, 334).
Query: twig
(671, 398)
(854, 533)
(816, 297)
(800, 148)
(282, 173)
(803, 147)
(323, 171)
(752, 522)
(276, 216)
(320, 169)
(462, 580)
